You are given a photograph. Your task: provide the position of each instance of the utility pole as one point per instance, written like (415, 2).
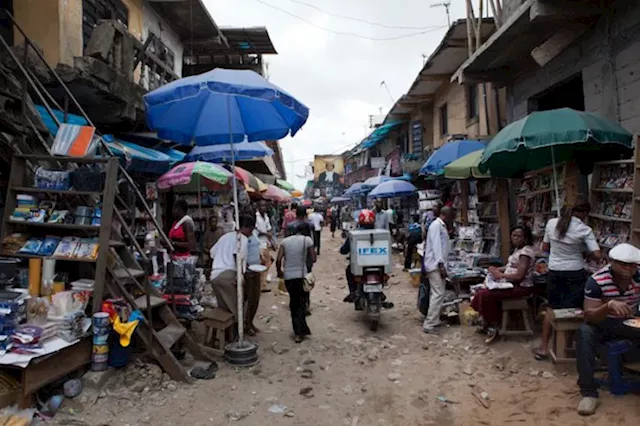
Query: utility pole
(446, 4)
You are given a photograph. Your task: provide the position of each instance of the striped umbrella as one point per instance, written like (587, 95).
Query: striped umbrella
(250, 181)
(274, 193)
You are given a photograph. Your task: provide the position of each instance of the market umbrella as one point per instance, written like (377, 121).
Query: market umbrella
(340, 200)
(307, 203)
(354, 190)
(547, 137)
(224, 106)
(297, 193)
(392, 188)
(447, 153)
(465, 167)
(274, 193)
(242, 151)
(250, 181)
(281, 183)
(192, 176)
(374, 181)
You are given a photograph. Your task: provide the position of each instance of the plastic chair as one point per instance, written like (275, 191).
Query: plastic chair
(616, 383)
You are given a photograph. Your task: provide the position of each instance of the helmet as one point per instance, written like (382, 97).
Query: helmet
(366, 217)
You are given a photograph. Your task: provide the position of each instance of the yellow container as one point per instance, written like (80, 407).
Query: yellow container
(58, 287)
(35, 276)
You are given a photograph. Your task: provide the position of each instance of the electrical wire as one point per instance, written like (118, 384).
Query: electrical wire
(361, 20)
(345, 33)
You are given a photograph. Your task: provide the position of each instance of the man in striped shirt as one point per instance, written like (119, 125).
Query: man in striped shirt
(611, 296)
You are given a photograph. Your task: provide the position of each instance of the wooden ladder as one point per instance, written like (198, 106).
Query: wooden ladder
(123, 275)
(159, 329)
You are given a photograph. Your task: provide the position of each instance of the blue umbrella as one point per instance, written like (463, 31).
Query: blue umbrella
(392, 188)
(353, 190)
(221, 106)
(224, 107)
(243, 151)
(448, 153)
(340, 199)
(374, 181)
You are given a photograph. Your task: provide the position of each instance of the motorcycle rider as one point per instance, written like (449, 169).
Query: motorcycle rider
(366, 220)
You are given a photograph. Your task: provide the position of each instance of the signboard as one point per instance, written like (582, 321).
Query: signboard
(378, 162)
(416, 136)
(328, 175)
(376, 254)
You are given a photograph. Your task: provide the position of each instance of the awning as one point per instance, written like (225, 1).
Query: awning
(380, 134)
(532, 35)
(137, 158)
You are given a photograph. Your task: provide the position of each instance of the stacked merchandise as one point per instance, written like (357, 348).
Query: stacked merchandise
(487, 190)
(52, 246)
(428, 200)
(535, 202)
(184, 287)
(46, 211)
(101, 331)
(612, 203)
(27, 339)
(12, 313)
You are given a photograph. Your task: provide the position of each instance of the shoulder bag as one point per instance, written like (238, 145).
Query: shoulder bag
(309, 279)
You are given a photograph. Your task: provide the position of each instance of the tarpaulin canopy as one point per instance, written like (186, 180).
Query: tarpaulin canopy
(135, 157)
(379, 134)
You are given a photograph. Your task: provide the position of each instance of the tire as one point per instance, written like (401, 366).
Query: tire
(373, 326)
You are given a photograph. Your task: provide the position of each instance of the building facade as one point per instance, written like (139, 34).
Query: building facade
(582, 56)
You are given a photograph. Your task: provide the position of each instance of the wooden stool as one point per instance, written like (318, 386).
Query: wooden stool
(219, 325)
(516, 305)
(564, 323)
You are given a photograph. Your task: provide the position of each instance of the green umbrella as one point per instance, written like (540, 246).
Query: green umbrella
(465, 167)
(547, 137)
(284, 185)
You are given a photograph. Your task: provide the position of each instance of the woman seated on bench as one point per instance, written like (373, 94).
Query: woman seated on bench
(519, 271)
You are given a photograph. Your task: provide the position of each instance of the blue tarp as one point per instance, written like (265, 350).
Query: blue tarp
(136, 157)
(379, 134)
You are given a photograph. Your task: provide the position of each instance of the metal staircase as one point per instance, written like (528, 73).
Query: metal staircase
(127, 269)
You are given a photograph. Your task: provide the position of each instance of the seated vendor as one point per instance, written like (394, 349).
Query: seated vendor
(519, 271)
(611, 295)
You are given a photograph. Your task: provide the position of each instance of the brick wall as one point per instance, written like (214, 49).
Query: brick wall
(609, 61)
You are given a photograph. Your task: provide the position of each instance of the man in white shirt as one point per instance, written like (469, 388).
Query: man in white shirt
(382, 218)
(317, 220)
(223, 266)
(263, 226)
(436, 254)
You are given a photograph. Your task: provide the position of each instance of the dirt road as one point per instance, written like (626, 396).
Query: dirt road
(391, 377)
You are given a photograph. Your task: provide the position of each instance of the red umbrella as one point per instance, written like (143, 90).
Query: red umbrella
(307, 203)
(276, 194)
(251, 183)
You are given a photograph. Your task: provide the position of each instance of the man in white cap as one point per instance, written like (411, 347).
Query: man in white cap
(611, 295)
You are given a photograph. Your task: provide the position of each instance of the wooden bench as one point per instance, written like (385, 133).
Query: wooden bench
(564, 324)
(520, 306)
(220, 329)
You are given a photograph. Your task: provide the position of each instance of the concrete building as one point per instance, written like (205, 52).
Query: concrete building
(553, 54)
(438, 110)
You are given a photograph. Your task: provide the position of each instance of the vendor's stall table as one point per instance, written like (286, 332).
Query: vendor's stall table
(47, 369)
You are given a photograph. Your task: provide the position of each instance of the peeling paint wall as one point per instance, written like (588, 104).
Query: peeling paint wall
(152, 22)
(40, 21)
(607, 56)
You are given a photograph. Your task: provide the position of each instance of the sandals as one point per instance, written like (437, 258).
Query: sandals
(298, 339)
(539, 356)
(492, 335)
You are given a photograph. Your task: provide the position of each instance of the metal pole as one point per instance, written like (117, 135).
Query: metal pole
(237, 217)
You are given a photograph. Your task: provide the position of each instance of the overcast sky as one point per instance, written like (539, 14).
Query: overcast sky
(338, 76)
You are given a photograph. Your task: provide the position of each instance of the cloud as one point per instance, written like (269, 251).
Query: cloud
(338, 77)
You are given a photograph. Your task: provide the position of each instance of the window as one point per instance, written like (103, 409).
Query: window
(472, 102)
(444, 120)
(95, 10)
(161, 50)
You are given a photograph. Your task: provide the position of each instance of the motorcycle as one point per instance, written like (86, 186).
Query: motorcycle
(370, 295)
